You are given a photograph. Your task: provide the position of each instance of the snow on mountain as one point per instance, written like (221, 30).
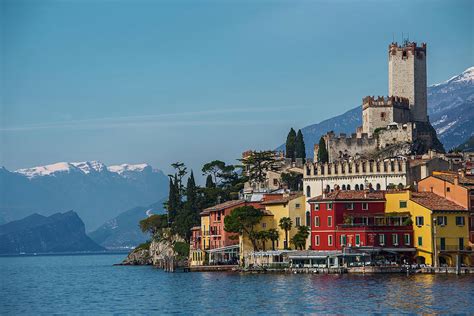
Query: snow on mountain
(84, 167)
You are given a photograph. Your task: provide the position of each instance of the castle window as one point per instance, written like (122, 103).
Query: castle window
(361, 187)
(382, 116)
(348, 187)
(378, 186)
(343, 187)
(357, 187)
(308, 191)
(404, 54)
(308, 171)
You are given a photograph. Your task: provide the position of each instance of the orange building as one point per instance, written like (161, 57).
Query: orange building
(456, 187)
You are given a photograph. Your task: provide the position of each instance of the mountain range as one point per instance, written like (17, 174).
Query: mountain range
(60, 232)
(450, 109)
(123, 230)
(95, 191)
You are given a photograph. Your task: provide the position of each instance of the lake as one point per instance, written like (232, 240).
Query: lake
(90, 284)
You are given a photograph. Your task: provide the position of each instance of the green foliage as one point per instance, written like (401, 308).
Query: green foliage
(293, 180)
(273, 235)
(262, 236)
(209, 182)
(242, 220)
(300, 150)
(259, 163)
(323, 155)
(286, 223)
(182, 249)
(154, 224)
(299, 239)
(291, 144)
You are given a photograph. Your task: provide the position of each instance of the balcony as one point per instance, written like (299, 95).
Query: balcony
(376, 221)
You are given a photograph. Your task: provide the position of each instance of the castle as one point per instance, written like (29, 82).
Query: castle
(394, 125)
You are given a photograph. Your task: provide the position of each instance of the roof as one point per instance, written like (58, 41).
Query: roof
(222, 206)
(350, 196)
(283, 200)
(196, 228)
(450, 176)
(435, 202)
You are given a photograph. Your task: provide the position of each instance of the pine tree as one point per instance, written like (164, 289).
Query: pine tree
(300, 150)
(323, 155)
(290, 144)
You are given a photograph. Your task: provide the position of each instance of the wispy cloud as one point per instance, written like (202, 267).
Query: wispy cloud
(191, 118)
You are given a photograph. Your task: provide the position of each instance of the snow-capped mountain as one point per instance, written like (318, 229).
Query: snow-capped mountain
(95, 191)
(450, 107)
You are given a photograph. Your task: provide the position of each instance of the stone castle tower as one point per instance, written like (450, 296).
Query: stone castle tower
(407, 77)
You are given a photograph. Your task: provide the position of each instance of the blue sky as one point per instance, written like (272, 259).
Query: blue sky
(162, 81)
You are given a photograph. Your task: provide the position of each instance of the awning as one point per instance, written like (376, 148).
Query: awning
(223, 249)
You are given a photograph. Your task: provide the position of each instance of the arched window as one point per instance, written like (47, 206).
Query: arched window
(328, 188)
(378, 186)
(343, 187)
(308, 191)
(361, 187)
(308, 219)
(357, 187)
(348, 187)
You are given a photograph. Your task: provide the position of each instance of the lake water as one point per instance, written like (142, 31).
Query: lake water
(90, 284)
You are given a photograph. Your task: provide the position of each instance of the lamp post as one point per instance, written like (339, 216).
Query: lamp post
(435, 247)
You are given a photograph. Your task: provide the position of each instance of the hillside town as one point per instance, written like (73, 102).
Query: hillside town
(386, 198)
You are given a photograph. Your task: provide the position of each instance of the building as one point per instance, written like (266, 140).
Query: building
(348, 220)
(454, 186)
(197, 255)
(288, 205)
(440, 226)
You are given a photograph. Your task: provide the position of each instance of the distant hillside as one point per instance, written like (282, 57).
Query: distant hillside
(468, 145)
(95, 191)
(61, 232)
(123, 231)
(450, 107)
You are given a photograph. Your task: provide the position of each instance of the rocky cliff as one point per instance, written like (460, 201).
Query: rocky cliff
(61, 232)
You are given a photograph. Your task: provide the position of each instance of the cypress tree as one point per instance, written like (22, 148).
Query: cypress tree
(191, 195)
(171, 201)
(323, 155)
(290, 144)
(209, 182)
(300, 150)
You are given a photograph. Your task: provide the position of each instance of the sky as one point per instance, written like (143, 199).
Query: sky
(193, 81)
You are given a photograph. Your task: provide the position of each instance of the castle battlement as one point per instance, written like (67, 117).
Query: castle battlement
(389, 101)
(407, 47)
(356, 168)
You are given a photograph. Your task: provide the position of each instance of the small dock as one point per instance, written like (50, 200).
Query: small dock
(215, 268)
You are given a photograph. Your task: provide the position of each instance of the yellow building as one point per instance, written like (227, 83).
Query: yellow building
(434, 219)
(292, 206)
(200, 242)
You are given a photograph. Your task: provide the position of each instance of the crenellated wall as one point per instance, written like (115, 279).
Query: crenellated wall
(343, 147)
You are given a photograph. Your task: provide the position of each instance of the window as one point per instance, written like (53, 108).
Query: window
(297, 221)
(357, 240)
(407, 239)
(264, 225)
(403, 204)
(395, 239)
(377, 187)
(308, 191)
(448, 189)
(382, 239)
(420, 221)
(308, 219)
(329, 221)
(442, 220)
(460, 220)
(348, 187)
(343, 240)
(329, 240)
(461, 243)
(349, 206)
(442, 243)
(382, 116)
(275, 182)
(365, 206)
(316, 240)
(420, 241)
(308, 171)
(329, 206)
(297, 205)
(316, 206)
(316, 221)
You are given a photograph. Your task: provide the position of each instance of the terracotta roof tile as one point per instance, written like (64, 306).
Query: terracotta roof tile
(450, 176)
(283, 200)
(350, 195)
(223, 206)
(435, 202)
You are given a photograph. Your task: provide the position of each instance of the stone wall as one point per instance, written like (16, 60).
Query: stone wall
(343, 147)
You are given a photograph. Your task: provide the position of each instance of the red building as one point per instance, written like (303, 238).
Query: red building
(357, 219)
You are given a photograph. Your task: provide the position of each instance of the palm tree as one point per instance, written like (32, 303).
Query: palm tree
(303, 232)
(273, 235)
(286, 224)
(263, 237)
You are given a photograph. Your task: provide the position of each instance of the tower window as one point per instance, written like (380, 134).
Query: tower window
(382, 116)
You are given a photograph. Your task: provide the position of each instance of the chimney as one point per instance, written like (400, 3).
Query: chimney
(456, 180)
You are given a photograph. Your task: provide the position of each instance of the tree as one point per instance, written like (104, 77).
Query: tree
(286, 224)
(300, 150)
(209, 182)
(259, 162)
(323, 155)
(213, 168)
(291, 144)
(262, 236)
(293, 180)
(188, 216)
(299, 239)
(273, 235)
(171, 205)
(154, 224)
(242, 220)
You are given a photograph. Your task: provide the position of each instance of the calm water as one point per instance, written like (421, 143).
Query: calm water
(89, 283)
